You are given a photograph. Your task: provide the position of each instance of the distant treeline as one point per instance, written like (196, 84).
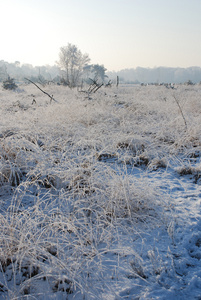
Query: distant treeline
(138, 75)
(158, 75)
(19, 71)
(63, 73)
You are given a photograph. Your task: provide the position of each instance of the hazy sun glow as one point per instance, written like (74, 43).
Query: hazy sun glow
(117, 33)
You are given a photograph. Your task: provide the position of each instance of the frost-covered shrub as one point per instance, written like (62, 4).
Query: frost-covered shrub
(9, 84)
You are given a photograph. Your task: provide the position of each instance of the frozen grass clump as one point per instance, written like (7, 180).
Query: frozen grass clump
(18, 155)
(61, 239)
(59, 233)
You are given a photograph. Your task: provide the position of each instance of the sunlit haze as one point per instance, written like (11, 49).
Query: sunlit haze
(116, 33)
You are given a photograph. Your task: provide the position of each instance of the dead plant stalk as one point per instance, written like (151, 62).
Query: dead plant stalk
(176, 100)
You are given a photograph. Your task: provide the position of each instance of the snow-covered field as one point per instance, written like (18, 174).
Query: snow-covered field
(100, 195)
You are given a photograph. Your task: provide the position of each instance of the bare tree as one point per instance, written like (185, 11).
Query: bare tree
(72, 62)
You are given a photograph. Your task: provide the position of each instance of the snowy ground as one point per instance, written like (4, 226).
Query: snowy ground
(100, 194)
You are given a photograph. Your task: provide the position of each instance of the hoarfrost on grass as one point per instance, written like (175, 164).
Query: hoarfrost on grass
(100, 197)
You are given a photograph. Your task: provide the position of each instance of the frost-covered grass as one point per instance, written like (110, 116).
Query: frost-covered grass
(88, 189)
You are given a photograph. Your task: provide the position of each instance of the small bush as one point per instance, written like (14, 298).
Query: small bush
(9, 84)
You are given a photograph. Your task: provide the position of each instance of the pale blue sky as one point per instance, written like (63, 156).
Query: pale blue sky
(117, 33)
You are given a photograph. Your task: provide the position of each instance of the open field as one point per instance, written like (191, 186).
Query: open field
(100, 195)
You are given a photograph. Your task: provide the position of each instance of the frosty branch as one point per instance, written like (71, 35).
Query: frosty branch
(51, 97)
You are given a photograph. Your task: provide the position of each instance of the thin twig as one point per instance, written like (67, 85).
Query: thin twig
(51, 97)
